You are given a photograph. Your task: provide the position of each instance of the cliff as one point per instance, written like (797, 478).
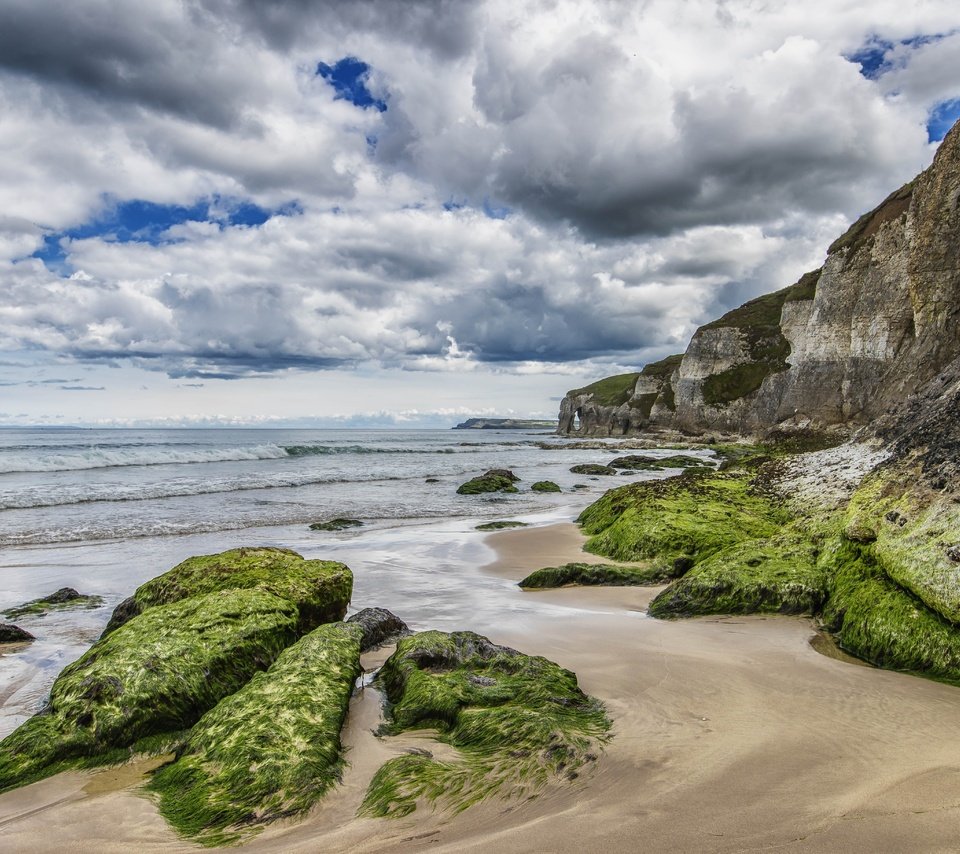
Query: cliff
(831, 353)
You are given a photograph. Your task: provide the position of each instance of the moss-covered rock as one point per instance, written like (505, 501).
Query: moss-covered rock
(157, 674)
(320, 589)
(270, 750)
(500, 525)
(545, 486)
(516, 721)
(590, 574)
(776, 575)
(592, 468)
(338, 524)
(494, 480)
(65, 597)
(880, 622)
(679, 522)
(643, 462)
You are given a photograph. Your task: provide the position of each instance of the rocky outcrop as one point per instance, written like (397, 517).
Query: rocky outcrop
(9, 633)
(833, 352)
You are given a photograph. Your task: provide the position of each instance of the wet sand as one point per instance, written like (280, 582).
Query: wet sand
(730, 734)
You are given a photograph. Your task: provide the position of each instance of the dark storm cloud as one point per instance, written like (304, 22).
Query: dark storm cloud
(446, 28)
(126, 53)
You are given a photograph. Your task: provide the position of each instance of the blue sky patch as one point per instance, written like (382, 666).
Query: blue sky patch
(873, 56)
(140, 221)
(495, 211)
(349, 76)
(942, 118)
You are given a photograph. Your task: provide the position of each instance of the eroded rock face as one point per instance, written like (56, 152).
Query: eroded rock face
(834, 351)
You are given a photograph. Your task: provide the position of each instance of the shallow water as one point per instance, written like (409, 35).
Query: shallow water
(425, 569)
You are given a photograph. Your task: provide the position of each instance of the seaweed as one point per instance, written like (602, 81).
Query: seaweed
(270, 750)
(517, 721)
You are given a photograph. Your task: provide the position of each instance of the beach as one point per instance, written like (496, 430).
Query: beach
(730, 734)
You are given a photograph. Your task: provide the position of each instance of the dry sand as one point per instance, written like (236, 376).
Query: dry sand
(730, 735)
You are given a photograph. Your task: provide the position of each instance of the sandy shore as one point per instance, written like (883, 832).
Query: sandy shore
(730, 735)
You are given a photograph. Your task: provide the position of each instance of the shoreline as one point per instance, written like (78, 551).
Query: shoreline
(716, 720)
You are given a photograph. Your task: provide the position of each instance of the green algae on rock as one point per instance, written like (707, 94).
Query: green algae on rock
(65, 597)
(338, 524)
(593, 574)
(500, 525)
(516, 721)
(320, 589)
(643, 462)
(157, 674)
(494, 480)
(679, 521)
(268, 751)
(545, 486)
(592, 468)
(776, 575)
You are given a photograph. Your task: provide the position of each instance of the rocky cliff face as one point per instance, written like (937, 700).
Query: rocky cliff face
(833, 352)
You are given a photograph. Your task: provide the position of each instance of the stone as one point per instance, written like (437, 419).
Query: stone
(380, 627)
(9, 633)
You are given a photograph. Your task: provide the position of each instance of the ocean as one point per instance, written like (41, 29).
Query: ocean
(104, 510)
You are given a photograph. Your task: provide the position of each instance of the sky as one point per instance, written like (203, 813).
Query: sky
(356, 213)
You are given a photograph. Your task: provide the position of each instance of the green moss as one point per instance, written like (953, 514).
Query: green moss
(913, 535)
(499, 526)
(592, 468)
(664, 368)
(545, 486)
(685, 518)
(66, 597)
(642, 462)
(338, 524)
(158, 673)
(610, 391)
(776, 575)
(881, 622)
(495, 480)
(320, 589)
(516, 720)
(737, 382)
(593, 574)
(268, 751)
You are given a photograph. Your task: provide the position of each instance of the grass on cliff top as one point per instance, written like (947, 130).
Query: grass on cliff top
(516, 720)
(869, 224)
(776, 575)
(590, 574)
(682, 520)
(270, 750)
(610, 391)
(663, 369)
(321, 589)
(158, 673)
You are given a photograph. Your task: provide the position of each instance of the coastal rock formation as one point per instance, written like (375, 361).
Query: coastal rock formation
(832, 352)
(269, 751)
(379, 627)
(494, 480)
(515, 720)
(65, 597)
(320, 589)
(9, 633)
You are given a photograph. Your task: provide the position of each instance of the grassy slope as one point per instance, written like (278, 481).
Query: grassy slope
(270, 750)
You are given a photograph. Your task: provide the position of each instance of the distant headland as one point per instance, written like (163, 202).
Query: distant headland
(506, 424)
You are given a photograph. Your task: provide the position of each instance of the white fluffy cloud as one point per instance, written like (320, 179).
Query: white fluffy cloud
(554, 185)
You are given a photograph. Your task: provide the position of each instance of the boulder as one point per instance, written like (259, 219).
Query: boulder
(9, 633)
(379, 626)
(494, 480)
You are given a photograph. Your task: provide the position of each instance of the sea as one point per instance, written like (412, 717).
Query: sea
(102, 511)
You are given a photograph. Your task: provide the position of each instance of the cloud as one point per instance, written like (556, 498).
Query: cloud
(553, 186)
